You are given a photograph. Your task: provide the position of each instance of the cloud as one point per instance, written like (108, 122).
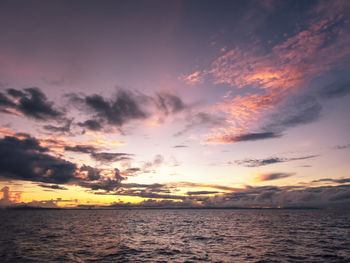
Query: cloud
(8, 198)
(271, 176)
(296, 111)
(65, 128)
(148, 194)
(180, 146)
(132, 171)
(192, 79)
(110, 157)
(157, 161)
(289, 196)
(53, 186)
(339, 181)
(244, 137)
(199, 185)
(23, 158)
(268, 161)
(81, 148)
(201, 119)
(106, 184)
(159, 191)
(169, 103)
(31, 102)
(5, 101)
(93, 174)
(262, 79)
(202, 192)
(247, 197)
(92, 125)
(27, 160)
(334, 90)
(125, 106)
(342, 147)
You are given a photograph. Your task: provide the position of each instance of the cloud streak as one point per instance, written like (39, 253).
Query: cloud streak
(269, 161)
(270, 176)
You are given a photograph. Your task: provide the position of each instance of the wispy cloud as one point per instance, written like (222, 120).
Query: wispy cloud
(271, 160)
(53, 186)
(342, 147)
(332, 180)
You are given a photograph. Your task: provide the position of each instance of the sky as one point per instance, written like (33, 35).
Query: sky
(175, 103)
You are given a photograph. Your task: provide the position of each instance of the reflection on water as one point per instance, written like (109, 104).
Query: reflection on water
(175, 236)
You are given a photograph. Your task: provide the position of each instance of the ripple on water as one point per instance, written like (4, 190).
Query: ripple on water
(175, 236)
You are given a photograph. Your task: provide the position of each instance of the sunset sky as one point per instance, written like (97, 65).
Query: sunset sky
(175, 103)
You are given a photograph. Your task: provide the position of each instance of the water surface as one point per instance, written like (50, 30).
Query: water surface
(175, 236)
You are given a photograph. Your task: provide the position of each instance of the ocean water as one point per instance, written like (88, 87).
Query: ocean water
(175, 236)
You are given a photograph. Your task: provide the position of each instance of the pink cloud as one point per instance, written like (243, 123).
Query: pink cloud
(274, 76)
(193, 78)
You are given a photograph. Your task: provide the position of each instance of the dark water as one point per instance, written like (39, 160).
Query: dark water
(175, 236)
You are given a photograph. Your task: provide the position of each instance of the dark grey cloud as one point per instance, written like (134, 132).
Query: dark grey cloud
(169, 103)
(92, 125)
(118, 110)
(264, 196)
(81, 148)
(124, 107)
(105, 184)
(249, 137)
(92, 173)
(24, 159)
(334, 90)
(53, 186)
(148, 194)
(294, 112)
(5, 101)
(159, 191)
(110, 157)
(272, 160)
(64, 128)
(27, 160)
(202, 192)
(339, 181)
(288, 196)
(103, 157)
(132, 171)
(15, 93)
(33, 103)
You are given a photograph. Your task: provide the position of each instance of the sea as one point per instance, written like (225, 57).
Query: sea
(182, 235)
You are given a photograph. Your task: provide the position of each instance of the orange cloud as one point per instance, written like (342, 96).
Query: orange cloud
(9, 197)
(270, 176)
(7, 132)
